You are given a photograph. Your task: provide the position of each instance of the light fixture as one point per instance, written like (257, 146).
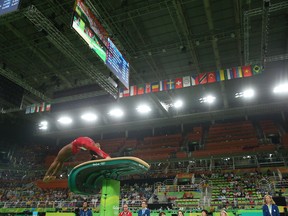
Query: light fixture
(143, 109)
(65, 120)
(116, 112)
(89, 117)
(281, 89)
(178, 104)
(43, 125)
(249, 93)
(208, 99)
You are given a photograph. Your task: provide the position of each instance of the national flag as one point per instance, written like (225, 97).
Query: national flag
(37, 107)
(155, 87)
(147, 88)
(170, 84)
(193, 80)
(178, 83)
(126, 92)
(121, 90)
(220, 75)
(141, 90)
(42, 107)
(256, 69)
(48, 107)
(247, 71)
(28, 110)
(186, 81)
(229, 74)
(211, 77)
(201, 79)
(133, 90)
(163, 85)
(237, 71)
(32, 108)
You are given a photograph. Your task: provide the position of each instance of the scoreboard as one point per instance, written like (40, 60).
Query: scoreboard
(7, 6)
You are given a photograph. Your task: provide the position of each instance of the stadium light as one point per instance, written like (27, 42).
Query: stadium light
(65, 120)
(143, 109)
(249, 93)
(208, 99)
(281, 89)
(43, 125)
(89, 117)
(116, 113)
(178, 104)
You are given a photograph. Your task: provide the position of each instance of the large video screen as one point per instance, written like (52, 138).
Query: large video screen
(7, 6)
(94, 34)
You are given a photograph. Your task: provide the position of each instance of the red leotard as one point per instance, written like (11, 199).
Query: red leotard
(125, 213)
(87, 143)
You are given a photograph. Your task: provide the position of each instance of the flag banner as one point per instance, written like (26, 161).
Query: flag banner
(48, 108)
(133, 90)
(121, 91)
(37, 107)
(201, 79)
(141, 90)
(147, 88)
(126, 93)
(163, 85)
(247, 71)
(42, 107)
(155, 87)
(28, 110)
(237, 71)
(178, 83)
(229, 74)
(220, 75)
(211, 77)
(186, 81)
(256, 69)
(170, 84)
(32, 108)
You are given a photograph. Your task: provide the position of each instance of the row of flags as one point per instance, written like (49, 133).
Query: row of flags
(35, 108)
(187, 81)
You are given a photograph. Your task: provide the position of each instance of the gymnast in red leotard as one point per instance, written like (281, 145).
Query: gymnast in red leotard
(84, 143)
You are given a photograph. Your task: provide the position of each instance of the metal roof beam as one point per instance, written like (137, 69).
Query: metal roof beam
(67, 48)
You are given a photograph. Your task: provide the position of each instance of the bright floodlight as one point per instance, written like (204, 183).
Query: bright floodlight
(43, 125)
(208, 99)
(65, 120)
(249, 93)
(116, 112)
(283, 88)
(89, 117)
(178, 104)
(143, 109)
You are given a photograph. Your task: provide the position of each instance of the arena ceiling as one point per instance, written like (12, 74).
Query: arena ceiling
(44, 60)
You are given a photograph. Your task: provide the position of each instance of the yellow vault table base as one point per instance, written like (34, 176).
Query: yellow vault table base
(90, 177)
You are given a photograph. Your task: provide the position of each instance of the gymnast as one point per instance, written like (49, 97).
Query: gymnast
(81, 143)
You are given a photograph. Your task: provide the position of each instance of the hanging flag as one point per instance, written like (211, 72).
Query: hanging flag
(140, 89)
(220, 76)
(237, 71)
(178, 83)
(170, 84)
(121, 90)
(28, 110)
(147, 88)
(186, 81)
(37, 107)
(193, 80)
(155, 87)
(211, 77)
(133, 90)
(48, 107)
(229, 74)
(126, 93)
(33, 108)
(247, 71)
(201, 79)
(163, 85)
(42, 107)
(256, 69)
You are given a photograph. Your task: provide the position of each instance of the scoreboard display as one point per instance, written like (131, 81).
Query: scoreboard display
(8, 6)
